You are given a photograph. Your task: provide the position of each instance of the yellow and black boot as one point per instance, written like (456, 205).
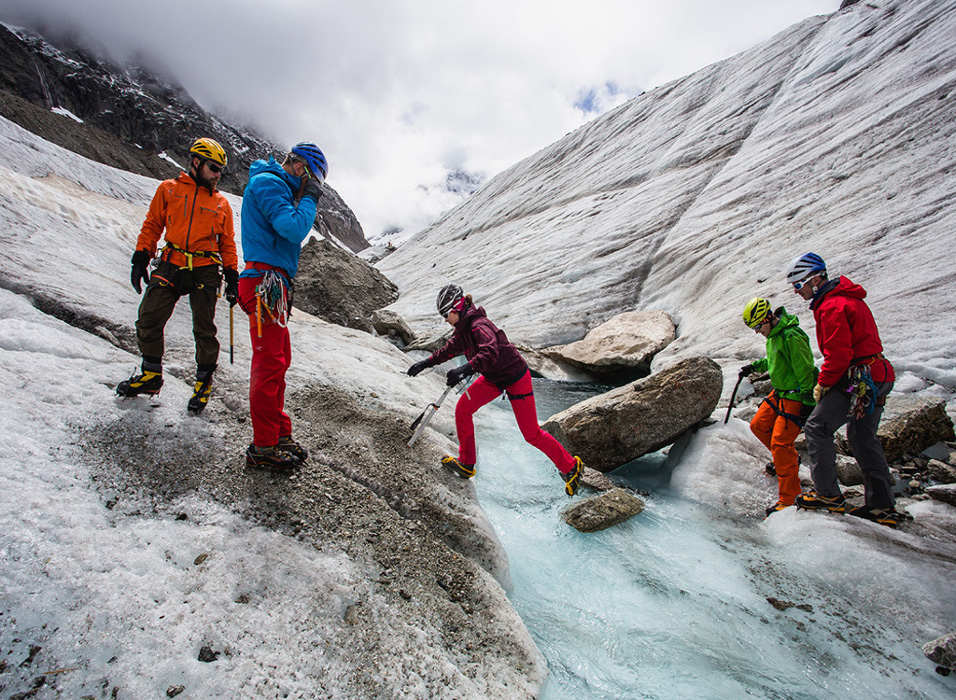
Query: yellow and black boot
(202, 389)
(454, 465)
(149, 381)
(572, 480)
(294, 449)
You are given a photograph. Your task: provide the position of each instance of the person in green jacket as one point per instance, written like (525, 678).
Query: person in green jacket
(793, 375)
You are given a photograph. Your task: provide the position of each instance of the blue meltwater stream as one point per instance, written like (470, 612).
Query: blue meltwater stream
(674, 602)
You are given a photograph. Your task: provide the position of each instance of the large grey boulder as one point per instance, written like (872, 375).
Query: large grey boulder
(945, 493)
(340, 287)
(941, 471)
(626, 342)
(604, 511)
(612, 429)
(848, 471)
(389, 324)
(911, 425)
(430, 340)
(942, 652)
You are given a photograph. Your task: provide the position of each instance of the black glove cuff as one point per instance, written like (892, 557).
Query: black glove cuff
(231, 276)
(140, 259)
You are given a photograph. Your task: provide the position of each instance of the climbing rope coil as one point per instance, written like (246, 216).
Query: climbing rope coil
(272, 297)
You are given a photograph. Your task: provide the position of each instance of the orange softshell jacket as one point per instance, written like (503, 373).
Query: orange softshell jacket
(195, 219)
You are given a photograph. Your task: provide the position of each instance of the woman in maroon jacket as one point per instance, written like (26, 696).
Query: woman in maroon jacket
(489, 353)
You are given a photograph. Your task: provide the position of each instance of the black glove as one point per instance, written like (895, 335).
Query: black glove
(140, 271)
(312, 190)
(232, 286)
(418, 368)
(458, 373)
(745, 371)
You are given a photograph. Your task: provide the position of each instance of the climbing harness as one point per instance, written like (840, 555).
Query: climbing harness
(777, 408)
(215, 257)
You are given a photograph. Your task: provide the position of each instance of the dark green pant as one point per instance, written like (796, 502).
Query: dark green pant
(167, 284)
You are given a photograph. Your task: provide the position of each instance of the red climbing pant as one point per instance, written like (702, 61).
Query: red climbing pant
(271, 357)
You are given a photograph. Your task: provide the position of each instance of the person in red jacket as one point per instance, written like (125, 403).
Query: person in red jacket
(197, 221)
(851, 389)
(501, 369)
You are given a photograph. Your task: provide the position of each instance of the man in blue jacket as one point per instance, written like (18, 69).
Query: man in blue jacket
(278, 210)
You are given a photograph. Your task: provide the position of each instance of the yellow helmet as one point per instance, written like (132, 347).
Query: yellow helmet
(756, 312)
(210, 150)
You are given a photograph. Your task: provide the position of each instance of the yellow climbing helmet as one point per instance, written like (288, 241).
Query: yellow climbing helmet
(756, 312)
(210, 150)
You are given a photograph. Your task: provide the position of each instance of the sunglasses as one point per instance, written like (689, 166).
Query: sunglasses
(215, 167)
(308, 174)
(801, 284)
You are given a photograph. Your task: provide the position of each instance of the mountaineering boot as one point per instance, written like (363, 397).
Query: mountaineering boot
(572, 480)
(465, 471)
(200, 397)
(775, 507)
(269, 458)
(814, 501)
(291, 447)
(890, 518)
(149, 381)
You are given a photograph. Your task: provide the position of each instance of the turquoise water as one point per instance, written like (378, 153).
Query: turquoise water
(674, 602)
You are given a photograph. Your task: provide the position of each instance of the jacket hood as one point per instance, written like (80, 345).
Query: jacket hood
(785, 321)
(849, 289)
(271, 166)
(469, 315)
(841, 286)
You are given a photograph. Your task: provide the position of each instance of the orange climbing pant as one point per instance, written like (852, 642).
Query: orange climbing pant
(778, 432)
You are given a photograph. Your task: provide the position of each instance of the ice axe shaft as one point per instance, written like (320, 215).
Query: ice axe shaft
(230, 336)
(733, 395)
(419, 425)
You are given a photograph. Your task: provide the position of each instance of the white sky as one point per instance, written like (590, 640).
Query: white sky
(398, 94)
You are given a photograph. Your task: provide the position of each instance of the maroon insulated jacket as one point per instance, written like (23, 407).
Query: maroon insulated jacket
(485, 346)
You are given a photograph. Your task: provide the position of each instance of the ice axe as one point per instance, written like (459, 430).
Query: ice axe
(230, 335)
(419, 425)
(733, 395)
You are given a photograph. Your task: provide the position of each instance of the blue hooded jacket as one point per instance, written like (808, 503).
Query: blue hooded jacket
(273, 225)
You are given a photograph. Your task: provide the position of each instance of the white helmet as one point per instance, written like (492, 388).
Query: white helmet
(805, 266)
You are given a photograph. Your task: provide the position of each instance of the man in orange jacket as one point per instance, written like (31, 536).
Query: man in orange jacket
(200, 240)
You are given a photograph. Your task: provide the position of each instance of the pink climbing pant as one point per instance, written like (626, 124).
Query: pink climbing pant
(522, 403)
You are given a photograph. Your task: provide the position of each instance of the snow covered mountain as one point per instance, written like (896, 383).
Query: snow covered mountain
(132, 119)
(836, 136)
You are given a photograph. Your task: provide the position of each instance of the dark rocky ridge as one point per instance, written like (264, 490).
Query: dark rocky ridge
(129, 116)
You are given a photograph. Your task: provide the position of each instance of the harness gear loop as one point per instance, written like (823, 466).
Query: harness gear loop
(861, 389)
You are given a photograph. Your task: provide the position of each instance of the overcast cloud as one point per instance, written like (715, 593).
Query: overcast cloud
(398, 94)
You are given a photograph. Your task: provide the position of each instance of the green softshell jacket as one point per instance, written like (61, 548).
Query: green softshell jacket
(789, 360)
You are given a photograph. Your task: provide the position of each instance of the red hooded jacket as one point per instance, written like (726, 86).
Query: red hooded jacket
(846, 332)
(485, 346)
